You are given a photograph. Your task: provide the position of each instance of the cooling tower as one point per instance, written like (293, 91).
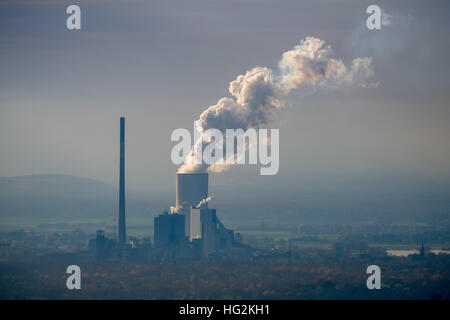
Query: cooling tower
(191, 189)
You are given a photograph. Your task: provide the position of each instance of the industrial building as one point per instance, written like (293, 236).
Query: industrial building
(193, 232)
(203, 230)
(169, 230)
(191, 189)
(214, 236)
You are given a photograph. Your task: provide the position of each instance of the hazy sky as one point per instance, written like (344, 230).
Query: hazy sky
(161, 63)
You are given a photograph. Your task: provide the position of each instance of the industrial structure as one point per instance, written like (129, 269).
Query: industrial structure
(191, 189)
(169, 230)
(193, 231)
(202, 230)
(122, 228)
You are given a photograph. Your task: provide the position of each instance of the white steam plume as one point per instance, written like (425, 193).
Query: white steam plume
(175, 209)
(203, 201)
(258, 93)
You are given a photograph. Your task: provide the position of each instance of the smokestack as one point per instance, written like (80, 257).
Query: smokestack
(191, 188)
(122, 232)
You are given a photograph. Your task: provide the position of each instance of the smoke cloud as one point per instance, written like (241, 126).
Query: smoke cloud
(203, 201)
(258, 93)
(175, 209)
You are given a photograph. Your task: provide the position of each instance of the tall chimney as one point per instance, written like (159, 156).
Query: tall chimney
(122, 232)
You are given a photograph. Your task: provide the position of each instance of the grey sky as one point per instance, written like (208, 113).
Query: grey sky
(162, 63)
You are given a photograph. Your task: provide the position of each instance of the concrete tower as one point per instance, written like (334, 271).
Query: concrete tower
(191, 189)
(122, 228)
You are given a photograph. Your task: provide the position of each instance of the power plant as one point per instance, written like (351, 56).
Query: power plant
(191, 189)
(194, 230)
(203, 232)
(191, 231)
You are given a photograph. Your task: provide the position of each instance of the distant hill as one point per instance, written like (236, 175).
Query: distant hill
(54, 195)
(71, 198)
(53, 184)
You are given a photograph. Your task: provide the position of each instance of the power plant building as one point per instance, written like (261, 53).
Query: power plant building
(191, 188)
(210, 230)
(169, 230)
(193, 232)
(195, 229)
